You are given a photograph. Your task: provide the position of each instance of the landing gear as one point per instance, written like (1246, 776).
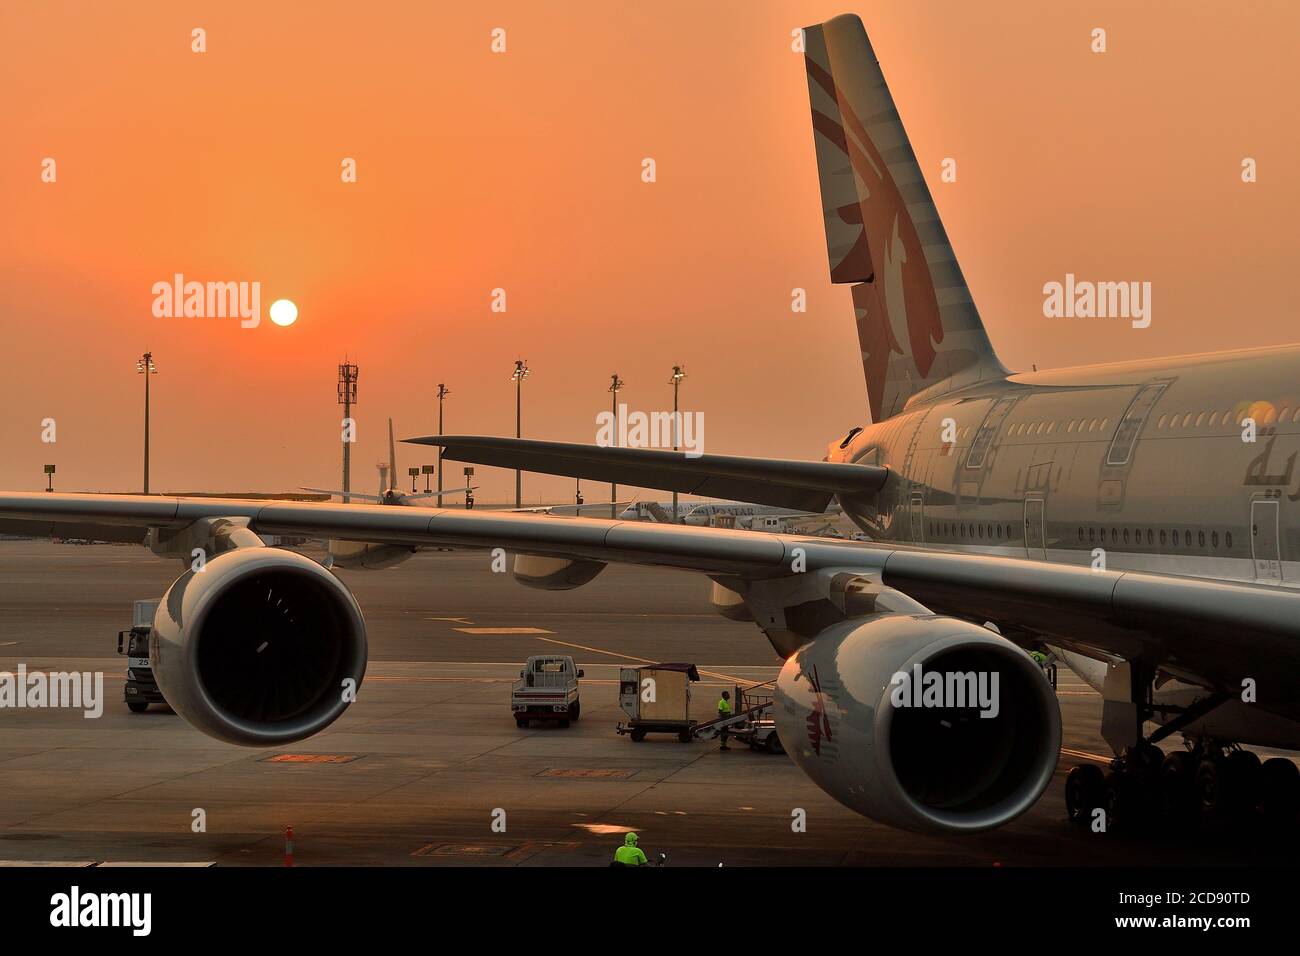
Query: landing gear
(1280, 790)
(1085, 790)
(1211, 782)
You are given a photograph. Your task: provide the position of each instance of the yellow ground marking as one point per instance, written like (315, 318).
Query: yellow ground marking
(502, 630)
(1083, 754)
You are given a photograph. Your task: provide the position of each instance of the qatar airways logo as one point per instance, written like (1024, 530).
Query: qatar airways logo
(946, 690)
(1082, 299)
(209, 300)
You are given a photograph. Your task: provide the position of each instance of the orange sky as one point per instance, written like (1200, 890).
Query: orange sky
(522, 171)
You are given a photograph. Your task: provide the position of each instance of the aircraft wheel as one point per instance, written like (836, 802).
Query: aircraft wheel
(1180, 800)
(684, 736)
(1280, 789)
(137, 706)
(1084, 788)
(1123, 801)
(773, 744)
(1213, 786)
(1247, 782)
(637, 736)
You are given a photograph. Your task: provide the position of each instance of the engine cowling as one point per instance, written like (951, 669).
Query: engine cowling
(256, 648)
(888, 747)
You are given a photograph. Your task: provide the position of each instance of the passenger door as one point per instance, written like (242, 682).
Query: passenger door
(1264, 540)
(1035, 531)
(918, 517)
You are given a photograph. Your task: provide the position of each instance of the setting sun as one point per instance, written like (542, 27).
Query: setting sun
(284, 312)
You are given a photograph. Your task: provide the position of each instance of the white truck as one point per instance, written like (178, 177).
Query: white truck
(547, 689)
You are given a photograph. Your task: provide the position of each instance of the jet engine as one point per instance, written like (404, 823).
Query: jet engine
(925, 723)
(262, 647)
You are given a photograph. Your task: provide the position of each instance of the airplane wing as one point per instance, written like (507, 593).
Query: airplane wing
(340, 494)
(785, 483)
(1206, 631)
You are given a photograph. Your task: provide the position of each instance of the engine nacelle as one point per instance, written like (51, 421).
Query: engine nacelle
(256, 648)
(858, 710)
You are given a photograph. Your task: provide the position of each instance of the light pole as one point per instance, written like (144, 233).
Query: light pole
(347, 397)
(679, 373)
(615, 384)
(144, 366)
(520, 373)
(443, 392)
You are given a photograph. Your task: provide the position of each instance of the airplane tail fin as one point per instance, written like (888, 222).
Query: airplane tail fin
(917, 325)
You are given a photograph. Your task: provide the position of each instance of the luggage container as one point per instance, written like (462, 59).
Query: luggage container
(657, 699)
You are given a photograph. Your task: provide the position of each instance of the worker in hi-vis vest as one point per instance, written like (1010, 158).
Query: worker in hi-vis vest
(724, 710)
(629, 854)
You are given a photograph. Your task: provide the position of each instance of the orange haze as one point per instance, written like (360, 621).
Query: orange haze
(522, 171)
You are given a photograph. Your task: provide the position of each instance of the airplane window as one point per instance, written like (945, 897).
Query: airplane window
(1175, 534)
(1200, 419)
(1091, 534)
(1069, 426)
(1270, 415)
(1104, 423)
(1114, 537)
(980, 530)
(1214, 419)
(1281, 416)
(963, 529)
(1200, 538)
(1228, 534)
(1151, 538)
(1161, 422)
(1295, 416)
(1080, 532)
(1187, 537)
(1051, 427)
(1187, 419)
(1162, 537)
(1214, 539)
(999, 530)
(1126, 535)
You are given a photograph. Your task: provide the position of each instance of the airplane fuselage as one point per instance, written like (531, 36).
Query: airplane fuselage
(1134, 466)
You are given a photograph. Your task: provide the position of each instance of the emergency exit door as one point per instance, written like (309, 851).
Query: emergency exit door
(1035, 530)
(1264, 541)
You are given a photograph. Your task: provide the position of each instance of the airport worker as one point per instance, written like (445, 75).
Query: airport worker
(629, 854)
(724, 710)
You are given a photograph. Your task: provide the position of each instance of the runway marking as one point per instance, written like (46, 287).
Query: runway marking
(1083, 754)
(502, 630)
(458, 620)
(639, 660)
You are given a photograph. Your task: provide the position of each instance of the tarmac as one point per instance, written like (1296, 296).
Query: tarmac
(427, 767)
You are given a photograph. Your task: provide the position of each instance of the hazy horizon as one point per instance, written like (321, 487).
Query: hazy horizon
(522, 170)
